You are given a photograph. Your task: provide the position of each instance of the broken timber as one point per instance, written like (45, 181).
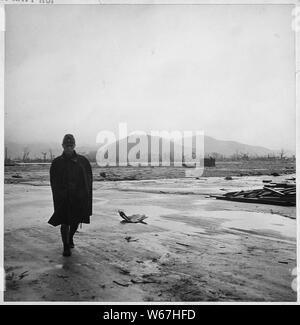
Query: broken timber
(276, 194)
(135, 218)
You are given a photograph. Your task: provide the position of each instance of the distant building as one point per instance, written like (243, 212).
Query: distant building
(209, 162)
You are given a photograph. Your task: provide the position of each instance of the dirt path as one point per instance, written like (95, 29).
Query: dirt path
(192, 248)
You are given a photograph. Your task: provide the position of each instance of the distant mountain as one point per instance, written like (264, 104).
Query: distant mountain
(212, 146)
(229, 148)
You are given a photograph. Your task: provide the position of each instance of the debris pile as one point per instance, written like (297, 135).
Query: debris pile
(135, 218)
(273, 193)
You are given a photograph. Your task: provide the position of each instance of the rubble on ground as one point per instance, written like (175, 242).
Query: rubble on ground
(272, 193)
(135, 218)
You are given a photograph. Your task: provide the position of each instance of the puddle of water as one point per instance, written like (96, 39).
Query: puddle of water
(245, 220)
(254, 221)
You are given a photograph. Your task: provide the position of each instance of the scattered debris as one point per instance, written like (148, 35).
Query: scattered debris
(102, 174)
(62, 276)
(16, 176)
(165, 258)
(121, 284)
(283, 262)
(228, 178)
(129, 239)
(10, 276)
(267, 181)
(291, 179)
(273, 193)
(125, 272)
(143, 281)
(135, 218)
(183, 244)
(274, 174)
(23, 274)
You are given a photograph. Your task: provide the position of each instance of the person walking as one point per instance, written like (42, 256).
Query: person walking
(71, 181)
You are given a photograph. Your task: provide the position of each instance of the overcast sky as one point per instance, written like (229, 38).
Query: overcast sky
(226, 70)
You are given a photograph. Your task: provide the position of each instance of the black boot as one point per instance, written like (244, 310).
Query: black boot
(67, 251)
(65, 233)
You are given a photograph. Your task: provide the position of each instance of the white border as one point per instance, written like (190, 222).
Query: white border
(129, 2)
(297, 102)
(2, 39)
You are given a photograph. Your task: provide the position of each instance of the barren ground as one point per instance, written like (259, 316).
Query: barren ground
(193, 248)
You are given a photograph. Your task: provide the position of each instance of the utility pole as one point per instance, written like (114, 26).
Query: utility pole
(51, 154)
(44, 156)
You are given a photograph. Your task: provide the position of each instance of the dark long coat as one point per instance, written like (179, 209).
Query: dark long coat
(71, 183)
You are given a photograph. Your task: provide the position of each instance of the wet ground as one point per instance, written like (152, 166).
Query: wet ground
(25, 172)
(193, 247)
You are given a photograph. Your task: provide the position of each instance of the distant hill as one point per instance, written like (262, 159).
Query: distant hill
(229, 148)
(211, 146)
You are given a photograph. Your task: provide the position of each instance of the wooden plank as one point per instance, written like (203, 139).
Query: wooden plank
(271, 201)
(275, 191)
